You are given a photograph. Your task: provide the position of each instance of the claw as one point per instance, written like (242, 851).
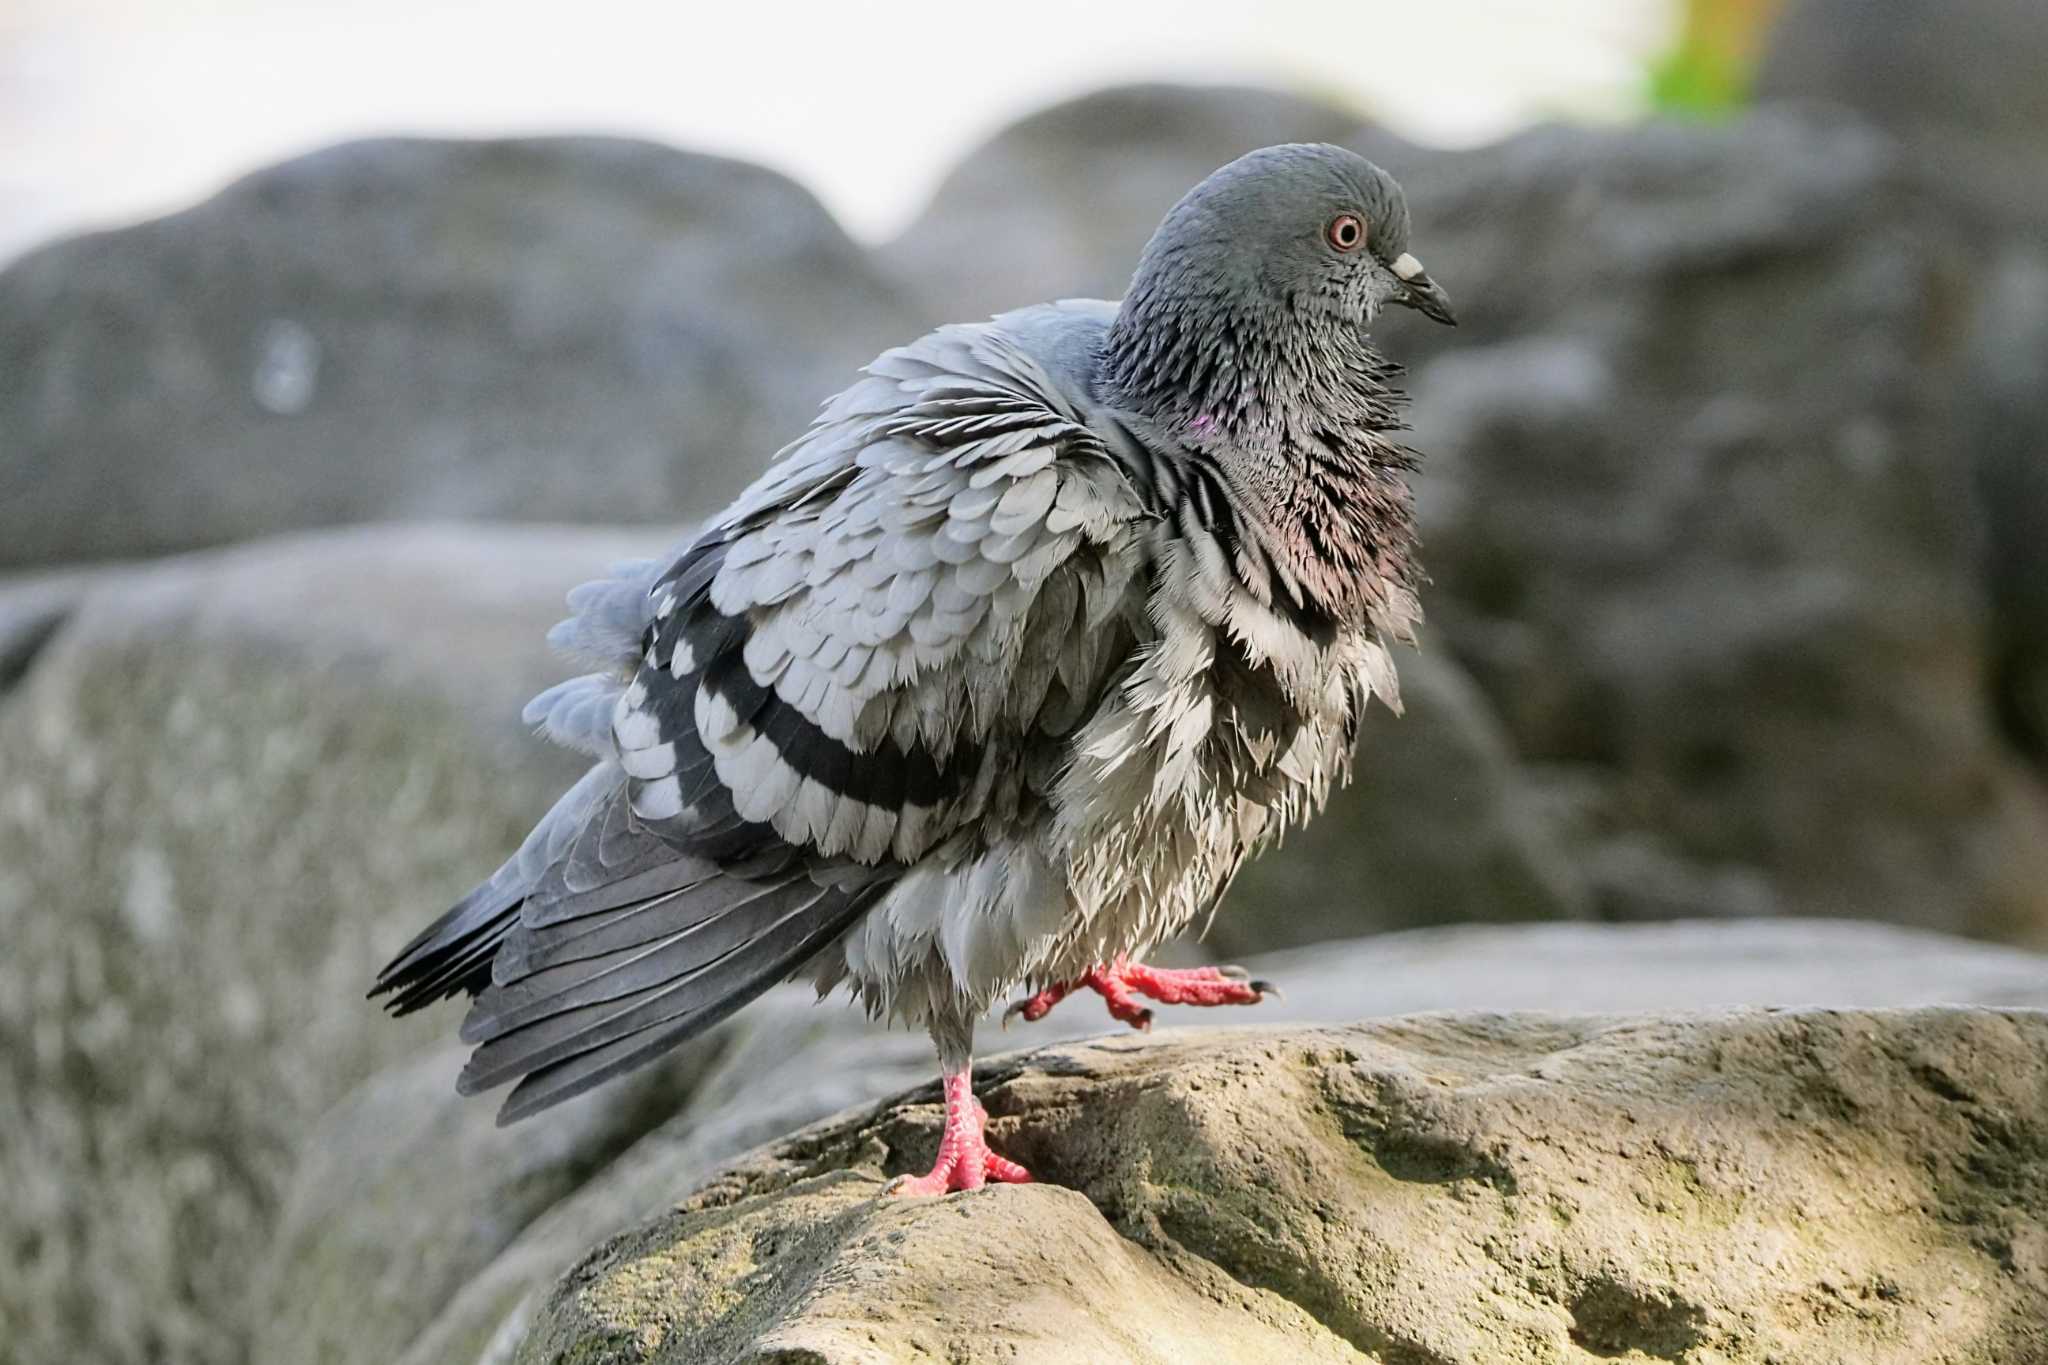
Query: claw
(1120, 982)
(1267, 990)
(1036, 1007)
(964, 1161)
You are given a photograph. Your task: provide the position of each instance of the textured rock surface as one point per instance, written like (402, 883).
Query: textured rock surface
(1959, 81)
(1722, 569)
(229, 786)
(1431, 1190)
(1959, 84)
(405, 1190)
(569, 328)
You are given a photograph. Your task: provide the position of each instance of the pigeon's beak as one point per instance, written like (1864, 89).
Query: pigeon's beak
(1420, 292)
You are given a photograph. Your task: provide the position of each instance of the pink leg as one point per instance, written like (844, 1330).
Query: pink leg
(964, 1161)
(1119, 983)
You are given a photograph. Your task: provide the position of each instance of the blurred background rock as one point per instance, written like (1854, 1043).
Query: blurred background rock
(1735, 502)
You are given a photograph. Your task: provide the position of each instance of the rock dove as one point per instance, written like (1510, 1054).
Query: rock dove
(992, 681)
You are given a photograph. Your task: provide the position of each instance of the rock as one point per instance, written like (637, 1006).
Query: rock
(230, 786)
(1749, 1186)
(1059, 204)
(1959, 81)
(1959, 85)
(562, 328)
(32, 607)
(412, 1212)
(2006, 424)
(404, 1195)
(1727, 569)
(1644, 968)
(406, 1190)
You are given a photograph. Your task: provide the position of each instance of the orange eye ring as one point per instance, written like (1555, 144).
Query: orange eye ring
(1346, 232)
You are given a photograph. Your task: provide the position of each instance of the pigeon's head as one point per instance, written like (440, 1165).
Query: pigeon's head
(1306, 229)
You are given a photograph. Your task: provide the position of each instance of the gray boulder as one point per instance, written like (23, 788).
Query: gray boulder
(1959, 85)
(415, 1231)
(1700, 521)
(230, 786)
(564, 328)
(1456, 1189)
(1959, 82)
(2006, 425)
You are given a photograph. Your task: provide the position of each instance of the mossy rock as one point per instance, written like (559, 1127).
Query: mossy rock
(1431, 1190)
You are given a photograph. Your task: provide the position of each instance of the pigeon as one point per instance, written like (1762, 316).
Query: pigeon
(992, 681)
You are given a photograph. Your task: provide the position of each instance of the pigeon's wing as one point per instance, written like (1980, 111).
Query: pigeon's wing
(862, 650)
(877, 650)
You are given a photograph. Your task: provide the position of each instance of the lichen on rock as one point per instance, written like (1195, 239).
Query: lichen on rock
(1430, 1190)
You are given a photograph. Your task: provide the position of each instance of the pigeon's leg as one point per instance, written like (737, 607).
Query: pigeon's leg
(1119, 983)
(964, 1161)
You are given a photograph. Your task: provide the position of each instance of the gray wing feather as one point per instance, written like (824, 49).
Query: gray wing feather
(577, 714)
(609, 615)
(606, 1050)
(691, 970)
(703, 951)
(454, 954)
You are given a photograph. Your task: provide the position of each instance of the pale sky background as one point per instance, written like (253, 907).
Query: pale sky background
(112, 110)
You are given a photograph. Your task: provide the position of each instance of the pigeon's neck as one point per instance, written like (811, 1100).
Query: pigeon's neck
(1302, 421)
(1245, 370)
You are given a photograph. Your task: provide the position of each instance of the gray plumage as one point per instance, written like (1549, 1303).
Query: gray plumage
(1000, 671)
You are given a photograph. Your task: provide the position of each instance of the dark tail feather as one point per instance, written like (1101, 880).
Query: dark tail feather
(453, 955)
(583, 1019)
(600, 944)
(566, 1079)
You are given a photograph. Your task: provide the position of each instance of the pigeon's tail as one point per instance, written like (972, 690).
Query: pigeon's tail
(453, 955)
(600, 945)
(596, 984)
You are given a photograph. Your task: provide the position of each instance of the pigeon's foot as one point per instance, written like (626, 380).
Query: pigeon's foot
(1119, 984)
(964, 1161)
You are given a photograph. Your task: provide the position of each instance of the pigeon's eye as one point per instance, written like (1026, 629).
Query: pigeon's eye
(1346, 232)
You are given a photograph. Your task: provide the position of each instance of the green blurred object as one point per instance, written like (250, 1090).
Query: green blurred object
(1709, 71)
